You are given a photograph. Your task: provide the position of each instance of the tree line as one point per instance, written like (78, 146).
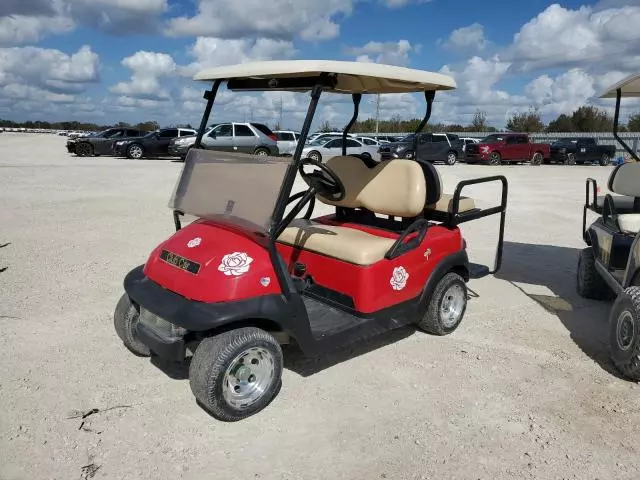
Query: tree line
(583, 119)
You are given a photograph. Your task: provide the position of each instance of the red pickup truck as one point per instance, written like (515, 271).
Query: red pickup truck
(507, 147)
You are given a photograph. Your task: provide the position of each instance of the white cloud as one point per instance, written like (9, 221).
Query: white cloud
(560, 37)
(277, 19)
(391, 53)
(212, 52)
(402, 3)
(147, 68)
(26, 7)
(21, 29)
(469, 38)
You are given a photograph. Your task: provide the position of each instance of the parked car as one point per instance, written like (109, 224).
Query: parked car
(322, 149)
(99, 143)
(368, 140)
(242, 137)
(154, 144)
(580, 150)
(466, 141)
(386, 138)
(317, 136)
(287, 141)
(507, 147)
(432, 147)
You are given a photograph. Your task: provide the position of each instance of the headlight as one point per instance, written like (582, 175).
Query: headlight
(484, 149)
(120, 142)
(180, 141)
(399, 148)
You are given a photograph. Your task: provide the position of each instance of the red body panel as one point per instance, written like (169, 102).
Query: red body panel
(370, 286)
(510, 152)
(244, 277)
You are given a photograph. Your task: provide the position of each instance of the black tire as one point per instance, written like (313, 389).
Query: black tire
(408, 154)
(570, 159)
(495, 158)
(135, 151)
(605, 160)
(84, 149)
(314, 155)
(263, 152)
(452, 158)
(432, 322)
(365, 155)
(537, 159)
(589, 283)
(624, 333)
(214, 355)
(125, 319)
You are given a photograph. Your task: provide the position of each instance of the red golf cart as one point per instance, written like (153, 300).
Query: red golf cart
(252, 272)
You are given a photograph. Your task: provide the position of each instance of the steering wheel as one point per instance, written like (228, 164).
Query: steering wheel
(324, 180)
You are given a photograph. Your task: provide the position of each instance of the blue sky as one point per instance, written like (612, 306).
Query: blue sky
(111, 60)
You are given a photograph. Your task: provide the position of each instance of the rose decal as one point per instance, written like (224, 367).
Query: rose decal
(234, 264)
(399, 278)
(194, 242)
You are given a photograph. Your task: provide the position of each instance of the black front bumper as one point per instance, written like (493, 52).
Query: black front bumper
(71, 147)
(192, 315)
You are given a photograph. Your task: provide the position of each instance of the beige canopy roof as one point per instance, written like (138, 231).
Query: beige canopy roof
(352, 77)
(630, 87)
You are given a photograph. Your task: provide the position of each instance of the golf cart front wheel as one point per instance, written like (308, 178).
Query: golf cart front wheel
(236, 374)
(125, 319)
(446, 307)
(589, 283)
(624, 333)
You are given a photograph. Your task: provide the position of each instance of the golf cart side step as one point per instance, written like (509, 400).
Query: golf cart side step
(477, 270)
(326, 320)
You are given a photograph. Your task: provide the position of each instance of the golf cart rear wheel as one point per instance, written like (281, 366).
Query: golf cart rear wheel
(446, 307)
(237, 373)
(125, 319)
(624, 333)
(589, 283)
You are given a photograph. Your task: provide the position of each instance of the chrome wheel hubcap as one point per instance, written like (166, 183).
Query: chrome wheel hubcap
(135, 152)
(626, 330)
(248, 377)
(452, 305)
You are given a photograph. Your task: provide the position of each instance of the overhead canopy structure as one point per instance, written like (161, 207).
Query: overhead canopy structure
(629, 87)
(344, 77)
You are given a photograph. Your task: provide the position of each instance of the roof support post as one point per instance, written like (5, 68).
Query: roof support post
(616, 118)
(210, 96)
(356, 108)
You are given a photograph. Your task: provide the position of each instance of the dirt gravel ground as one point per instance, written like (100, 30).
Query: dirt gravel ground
(523, 389)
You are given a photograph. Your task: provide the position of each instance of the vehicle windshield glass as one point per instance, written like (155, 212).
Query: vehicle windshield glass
(491, 139)
(320, 141)
(151, 134)
(408, 138)
(231, 187)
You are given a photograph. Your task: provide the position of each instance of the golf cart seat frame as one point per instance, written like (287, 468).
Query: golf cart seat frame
(614, 236)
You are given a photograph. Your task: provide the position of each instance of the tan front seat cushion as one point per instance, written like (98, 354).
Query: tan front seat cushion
(395, 187)
(445, 204)
(625, 179)
(343, 243)
(629, 222)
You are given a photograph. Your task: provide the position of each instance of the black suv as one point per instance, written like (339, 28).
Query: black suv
(99, 143)
(154, 144)
(432, 147)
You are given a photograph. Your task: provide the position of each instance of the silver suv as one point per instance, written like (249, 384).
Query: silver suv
(241, 137)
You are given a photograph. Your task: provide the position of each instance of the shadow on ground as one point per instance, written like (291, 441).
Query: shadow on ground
(555, 268)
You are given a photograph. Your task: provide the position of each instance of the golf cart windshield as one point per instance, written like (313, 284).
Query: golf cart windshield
(216, 185)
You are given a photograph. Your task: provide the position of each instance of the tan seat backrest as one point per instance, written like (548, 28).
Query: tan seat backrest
(394, 187)
(625, 179)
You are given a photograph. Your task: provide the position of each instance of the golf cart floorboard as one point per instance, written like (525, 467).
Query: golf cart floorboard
(327, 321)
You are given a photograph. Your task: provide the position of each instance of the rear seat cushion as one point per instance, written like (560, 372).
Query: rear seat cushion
(445, 204)
(348, 244)
(625, 179)
(629, 222)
